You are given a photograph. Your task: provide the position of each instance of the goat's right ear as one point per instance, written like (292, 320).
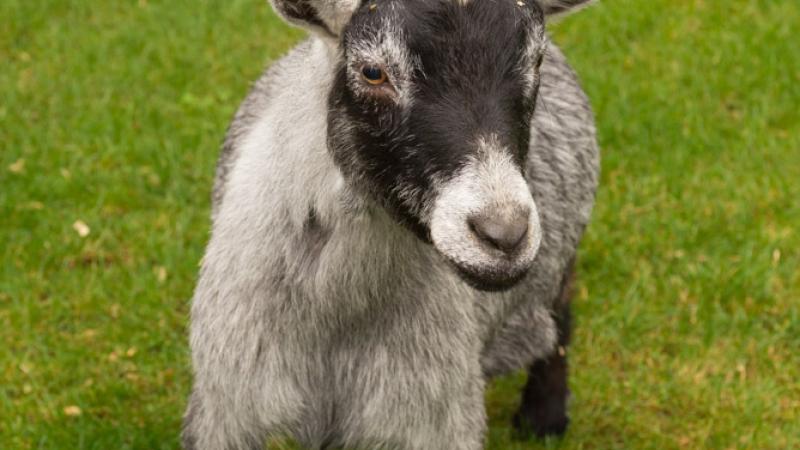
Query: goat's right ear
(555, 7)
(325, 17)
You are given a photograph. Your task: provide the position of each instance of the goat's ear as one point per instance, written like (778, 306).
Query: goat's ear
(552, 7)
(325, 17)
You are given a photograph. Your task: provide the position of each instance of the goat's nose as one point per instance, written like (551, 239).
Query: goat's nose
(503, 232)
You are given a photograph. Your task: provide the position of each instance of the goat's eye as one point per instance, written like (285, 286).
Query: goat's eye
(373, 75)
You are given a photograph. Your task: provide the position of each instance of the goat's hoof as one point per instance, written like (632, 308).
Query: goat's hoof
(540, 423)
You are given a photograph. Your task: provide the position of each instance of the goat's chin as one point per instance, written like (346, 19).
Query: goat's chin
(483, 267)
(490, 273)
(490, 281)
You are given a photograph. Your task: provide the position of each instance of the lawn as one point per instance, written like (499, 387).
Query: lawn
(688, 306)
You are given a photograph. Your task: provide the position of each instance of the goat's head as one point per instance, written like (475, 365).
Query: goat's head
(429, 115)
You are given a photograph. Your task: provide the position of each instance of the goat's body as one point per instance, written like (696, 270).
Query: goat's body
(341, 327)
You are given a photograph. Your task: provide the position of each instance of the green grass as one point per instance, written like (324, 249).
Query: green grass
(688, 313)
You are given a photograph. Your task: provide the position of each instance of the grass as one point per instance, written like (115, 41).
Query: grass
(688, 324)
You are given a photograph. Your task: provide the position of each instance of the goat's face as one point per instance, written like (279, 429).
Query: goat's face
(430, 116)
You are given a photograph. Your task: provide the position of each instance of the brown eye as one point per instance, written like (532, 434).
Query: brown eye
(373, 75)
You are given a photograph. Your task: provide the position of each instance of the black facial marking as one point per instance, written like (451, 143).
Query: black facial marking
(463, 79)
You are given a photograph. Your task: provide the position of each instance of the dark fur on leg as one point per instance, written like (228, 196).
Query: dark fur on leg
(543, 411)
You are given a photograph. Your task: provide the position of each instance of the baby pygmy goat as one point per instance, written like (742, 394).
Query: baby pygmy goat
(395, 214)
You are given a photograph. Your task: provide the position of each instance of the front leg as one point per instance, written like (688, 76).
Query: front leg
(458, 423)
(543, 410)
(210, 424)
(416, 404)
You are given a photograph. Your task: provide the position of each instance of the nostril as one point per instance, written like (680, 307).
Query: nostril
(504, 233)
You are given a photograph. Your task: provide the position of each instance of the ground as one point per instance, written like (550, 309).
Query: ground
(688, 324)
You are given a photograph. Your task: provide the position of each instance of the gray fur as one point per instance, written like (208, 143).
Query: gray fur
(318, 317)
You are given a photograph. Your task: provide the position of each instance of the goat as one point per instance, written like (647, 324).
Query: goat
(395, 215)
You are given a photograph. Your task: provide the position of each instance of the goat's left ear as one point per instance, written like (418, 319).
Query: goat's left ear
(552, 7)
(324, 17)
